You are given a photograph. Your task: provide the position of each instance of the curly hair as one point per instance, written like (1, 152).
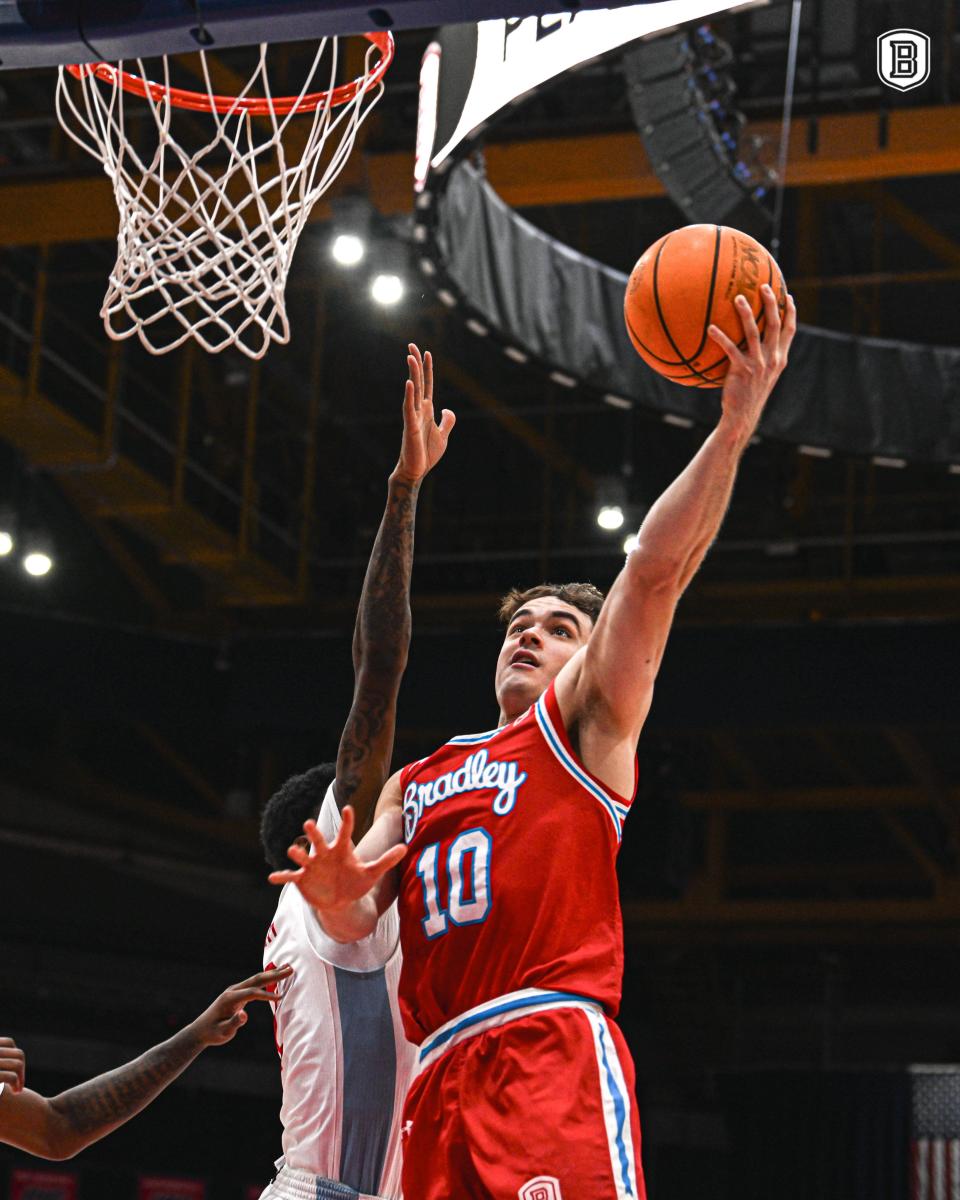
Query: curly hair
(298, 800)
(583, 596)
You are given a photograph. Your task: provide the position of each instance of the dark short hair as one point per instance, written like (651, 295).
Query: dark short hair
(583, 596)
(298, 800)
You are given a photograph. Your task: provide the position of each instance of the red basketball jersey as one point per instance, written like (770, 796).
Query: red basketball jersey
(510, 876)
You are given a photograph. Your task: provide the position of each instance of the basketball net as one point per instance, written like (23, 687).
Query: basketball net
(210, 207)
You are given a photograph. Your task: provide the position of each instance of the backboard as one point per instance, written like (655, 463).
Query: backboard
(45, 33)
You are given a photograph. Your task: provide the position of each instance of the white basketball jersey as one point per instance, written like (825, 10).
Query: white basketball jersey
(344, 1062)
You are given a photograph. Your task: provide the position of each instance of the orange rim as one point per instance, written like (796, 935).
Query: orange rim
(280, 106)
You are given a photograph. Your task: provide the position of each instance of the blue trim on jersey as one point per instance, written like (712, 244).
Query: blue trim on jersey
(474, 850)
(369, 1076)
(465, 739)
(546, 727)
(542, 998)
(620, 1108)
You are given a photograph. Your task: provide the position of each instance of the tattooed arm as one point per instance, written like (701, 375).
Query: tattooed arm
(61, 1126)
(381, 638)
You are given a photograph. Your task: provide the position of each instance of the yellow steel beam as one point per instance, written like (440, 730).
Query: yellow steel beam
(195, 778)
(128, 564)
(924, 770)
(722, 603)
(731, 751)
(905, 838)
(562, 170)
(541, 444)
(808, 799)
(57, 210)
(813, 922)
(920, 141)
(615, 166)
(644, 914)
(118, 488)
(63, 774)
(920, 229)
(865, 279)
(765, 875)
(902, 596)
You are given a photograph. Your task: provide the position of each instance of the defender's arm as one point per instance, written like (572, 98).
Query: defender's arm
(381, 638)
(61, 1126)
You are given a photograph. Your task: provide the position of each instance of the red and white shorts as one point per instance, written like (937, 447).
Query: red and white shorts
(527, 1097)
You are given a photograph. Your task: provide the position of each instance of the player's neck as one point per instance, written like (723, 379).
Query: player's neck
(513, 708)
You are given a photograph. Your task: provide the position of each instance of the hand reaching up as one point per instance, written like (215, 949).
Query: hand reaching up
(424, 441)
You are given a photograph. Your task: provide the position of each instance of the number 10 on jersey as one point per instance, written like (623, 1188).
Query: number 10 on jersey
(467, 869)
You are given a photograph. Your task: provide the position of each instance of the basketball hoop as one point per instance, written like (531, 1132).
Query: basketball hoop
(209, 222)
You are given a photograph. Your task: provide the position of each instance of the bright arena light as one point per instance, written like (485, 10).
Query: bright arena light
(37, 563)
(6, 543)
(386, 289)
(610, 517)
(631, 542)
(347, 249)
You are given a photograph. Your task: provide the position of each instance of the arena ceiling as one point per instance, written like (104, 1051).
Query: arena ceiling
(216, 492)
(223, 512)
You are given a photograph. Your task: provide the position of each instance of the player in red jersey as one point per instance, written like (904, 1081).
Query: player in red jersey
(502, 847)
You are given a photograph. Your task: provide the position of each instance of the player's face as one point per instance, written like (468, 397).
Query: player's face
(542, 636)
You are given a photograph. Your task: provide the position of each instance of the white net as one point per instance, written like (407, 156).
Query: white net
(211, 202)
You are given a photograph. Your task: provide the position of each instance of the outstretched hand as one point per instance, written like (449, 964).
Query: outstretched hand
(334, 876)
(754, 370)
(13, 1064)
(424, 441)
(227, 1013)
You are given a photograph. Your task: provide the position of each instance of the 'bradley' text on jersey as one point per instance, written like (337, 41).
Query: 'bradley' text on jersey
(477, 774)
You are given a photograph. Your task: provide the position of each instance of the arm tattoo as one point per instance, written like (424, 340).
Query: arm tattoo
(381, 641)
(92, 1109)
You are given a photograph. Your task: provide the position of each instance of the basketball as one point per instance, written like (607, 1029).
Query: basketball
(687, 281)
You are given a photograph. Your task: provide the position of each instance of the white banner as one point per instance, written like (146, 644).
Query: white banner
(515, 56)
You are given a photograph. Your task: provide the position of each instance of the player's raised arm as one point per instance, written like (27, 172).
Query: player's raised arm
(381, 638)
(611, 684)
(61, 1126)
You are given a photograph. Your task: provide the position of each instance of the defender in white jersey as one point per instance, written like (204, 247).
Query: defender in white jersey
(345, 1064)
(344, 1061)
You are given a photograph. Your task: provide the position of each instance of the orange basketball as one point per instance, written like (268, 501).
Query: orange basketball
(686, 281)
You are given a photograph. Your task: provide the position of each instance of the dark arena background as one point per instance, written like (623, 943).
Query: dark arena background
(789, 874)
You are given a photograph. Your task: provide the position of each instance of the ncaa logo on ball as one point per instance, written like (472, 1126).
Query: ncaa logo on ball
(544, 1187)
(903, 58)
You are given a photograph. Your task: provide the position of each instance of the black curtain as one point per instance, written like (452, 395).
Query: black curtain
(827, 1135)
(855, 395)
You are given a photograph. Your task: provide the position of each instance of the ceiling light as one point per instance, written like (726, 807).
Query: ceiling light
(386, 289)
(6, 543)
(37, 563)
(610, 516)
(347, 249)
(631, 542)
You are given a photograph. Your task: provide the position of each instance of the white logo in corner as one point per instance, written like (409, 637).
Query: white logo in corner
(544, 1187)
(903, 58)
